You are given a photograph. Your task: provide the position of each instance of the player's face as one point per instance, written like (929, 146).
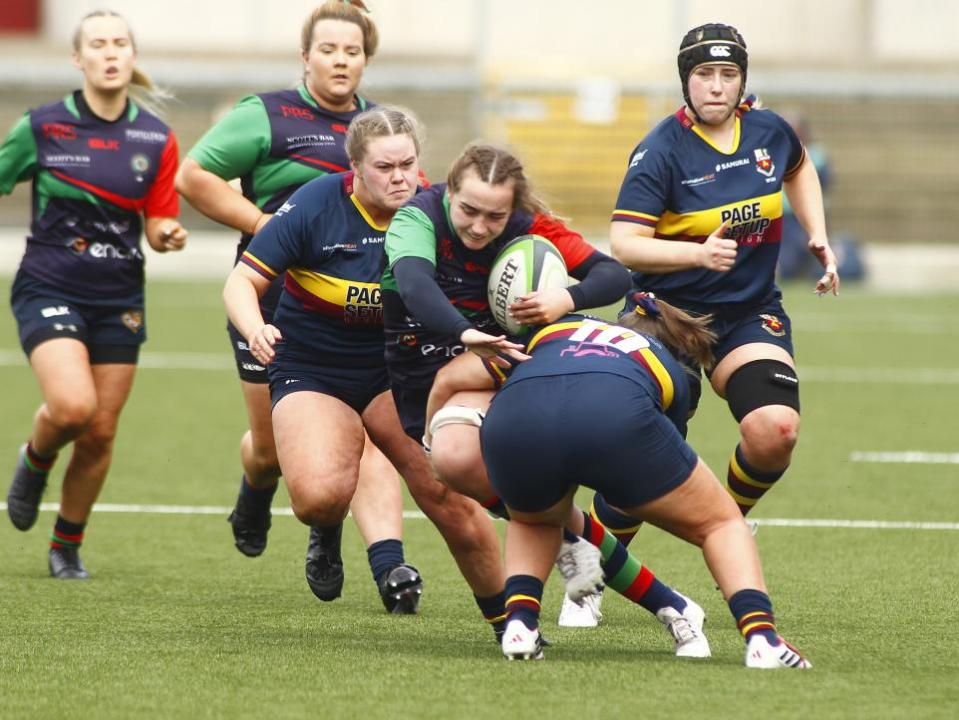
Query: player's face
(335, 63)
(714, 90)
(479, 211)
(389, 172)
(106, 55)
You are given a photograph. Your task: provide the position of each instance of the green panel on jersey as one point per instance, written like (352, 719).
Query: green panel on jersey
(18, 155)
(237, 143)
(48, 187)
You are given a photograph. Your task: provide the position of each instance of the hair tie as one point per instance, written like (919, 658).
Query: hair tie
(646, 304)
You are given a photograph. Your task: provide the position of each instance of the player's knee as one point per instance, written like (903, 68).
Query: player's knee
(771, 431)
(457, 460)
(72, 414)
(759, 384)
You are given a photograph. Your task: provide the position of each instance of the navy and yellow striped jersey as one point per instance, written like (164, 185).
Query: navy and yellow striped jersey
(579, 344)
(332, 253)
(679, 183)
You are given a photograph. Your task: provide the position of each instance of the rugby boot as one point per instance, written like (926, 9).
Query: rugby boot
(765, 656)
(324, 564)
(686, 627)
(584, 614)
(521, 643)
(401, 589)
(250, 527)
(65, 564)
(579, 564)
(26, 489)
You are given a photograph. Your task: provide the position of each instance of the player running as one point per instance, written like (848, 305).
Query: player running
(274, 143)
(102, 170)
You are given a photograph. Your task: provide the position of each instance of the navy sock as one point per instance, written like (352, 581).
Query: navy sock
(753, 611)
(659, 595)
(66, 534)
(524, 595)
(257, 497)
(494, 611)
(569, 536)
(384, 556)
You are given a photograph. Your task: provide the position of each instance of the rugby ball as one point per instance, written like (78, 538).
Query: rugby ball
(524, 264)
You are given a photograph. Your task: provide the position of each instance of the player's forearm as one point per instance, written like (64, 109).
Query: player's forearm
(805, 196)
(648, 254)
(242, 299)
(213, 196)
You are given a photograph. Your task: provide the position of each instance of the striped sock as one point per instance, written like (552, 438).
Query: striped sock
(494, 611)
(66, 534)
(626, 575)
(384, 556)
(36, 462)
(524, 595)
(623, 527)
(745, 483)
(753, 611)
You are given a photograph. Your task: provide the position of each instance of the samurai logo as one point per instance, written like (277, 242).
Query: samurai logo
(133, 319)
(773, 325)
(764, 163)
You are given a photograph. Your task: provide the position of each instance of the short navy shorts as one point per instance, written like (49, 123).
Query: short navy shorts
(544, 435)
(296, 371)
(112, 333)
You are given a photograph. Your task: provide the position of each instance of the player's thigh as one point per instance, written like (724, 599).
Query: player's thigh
(63, 371)
(256, 398)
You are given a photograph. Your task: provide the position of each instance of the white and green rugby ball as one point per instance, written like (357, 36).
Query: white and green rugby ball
(525, 264)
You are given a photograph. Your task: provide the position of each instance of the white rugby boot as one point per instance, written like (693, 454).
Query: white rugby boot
(521, 643)
(585, 614)
(686, 627)
(760, 654)
(579, 564)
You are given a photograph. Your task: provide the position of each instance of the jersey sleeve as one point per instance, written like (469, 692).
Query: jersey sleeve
(237, 143)
(571, 245)
(797, 152)
(162, 200)
(18, 155)
(642, 196)
(411, 234)
(282, 241)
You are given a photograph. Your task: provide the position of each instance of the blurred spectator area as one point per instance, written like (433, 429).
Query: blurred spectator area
(573, 92)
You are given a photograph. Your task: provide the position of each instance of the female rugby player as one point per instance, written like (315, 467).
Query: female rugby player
(102, 169)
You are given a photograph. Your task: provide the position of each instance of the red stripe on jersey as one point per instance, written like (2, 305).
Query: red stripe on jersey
(134, 205)
(633, 218)
(478, 305)
(162, 199)
(315, 161)
(569, 243)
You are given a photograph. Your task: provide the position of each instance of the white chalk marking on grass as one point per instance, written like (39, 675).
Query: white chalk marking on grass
(869, 375)
(417, 515)
(908, 456)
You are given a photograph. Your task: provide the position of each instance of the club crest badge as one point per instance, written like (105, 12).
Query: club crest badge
(773, 325)
(764, 163)
(133, 319)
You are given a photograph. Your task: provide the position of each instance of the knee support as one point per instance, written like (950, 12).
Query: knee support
(453, 415)
(760, 383)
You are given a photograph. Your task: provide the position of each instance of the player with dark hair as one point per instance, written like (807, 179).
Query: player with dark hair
(275, 142)
(324, 350)
(552, 426)
(102, 169)
(698, 220)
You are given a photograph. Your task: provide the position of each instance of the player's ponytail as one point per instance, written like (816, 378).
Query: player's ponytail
(681, 332)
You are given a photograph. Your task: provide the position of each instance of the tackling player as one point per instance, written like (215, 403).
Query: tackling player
(102, 170)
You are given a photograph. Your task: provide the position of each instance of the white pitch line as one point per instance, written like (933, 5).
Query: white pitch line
(908, 456)
(417, 515)
(867, 375)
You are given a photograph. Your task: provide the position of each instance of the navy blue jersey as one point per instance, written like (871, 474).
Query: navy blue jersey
(332, 254)
(275, 142)
(422, 229)
(578, 344)
(681, 184)
(93, 180)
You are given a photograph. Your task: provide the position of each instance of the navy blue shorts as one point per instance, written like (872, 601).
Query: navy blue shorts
(248, 367)
(544, 435)
(411, 407)
(112, 333)
(355, 385)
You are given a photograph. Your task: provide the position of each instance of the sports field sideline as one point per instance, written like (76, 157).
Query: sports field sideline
(859, 544)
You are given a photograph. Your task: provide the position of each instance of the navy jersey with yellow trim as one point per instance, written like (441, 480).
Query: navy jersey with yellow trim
(679, 183)
(578, 344)
(332, 254)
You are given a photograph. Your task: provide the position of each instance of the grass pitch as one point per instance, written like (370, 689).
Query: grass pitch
(176, 623)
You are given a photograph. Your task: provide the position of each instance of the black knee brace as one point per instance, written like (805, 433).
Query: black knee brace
(760, 383)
